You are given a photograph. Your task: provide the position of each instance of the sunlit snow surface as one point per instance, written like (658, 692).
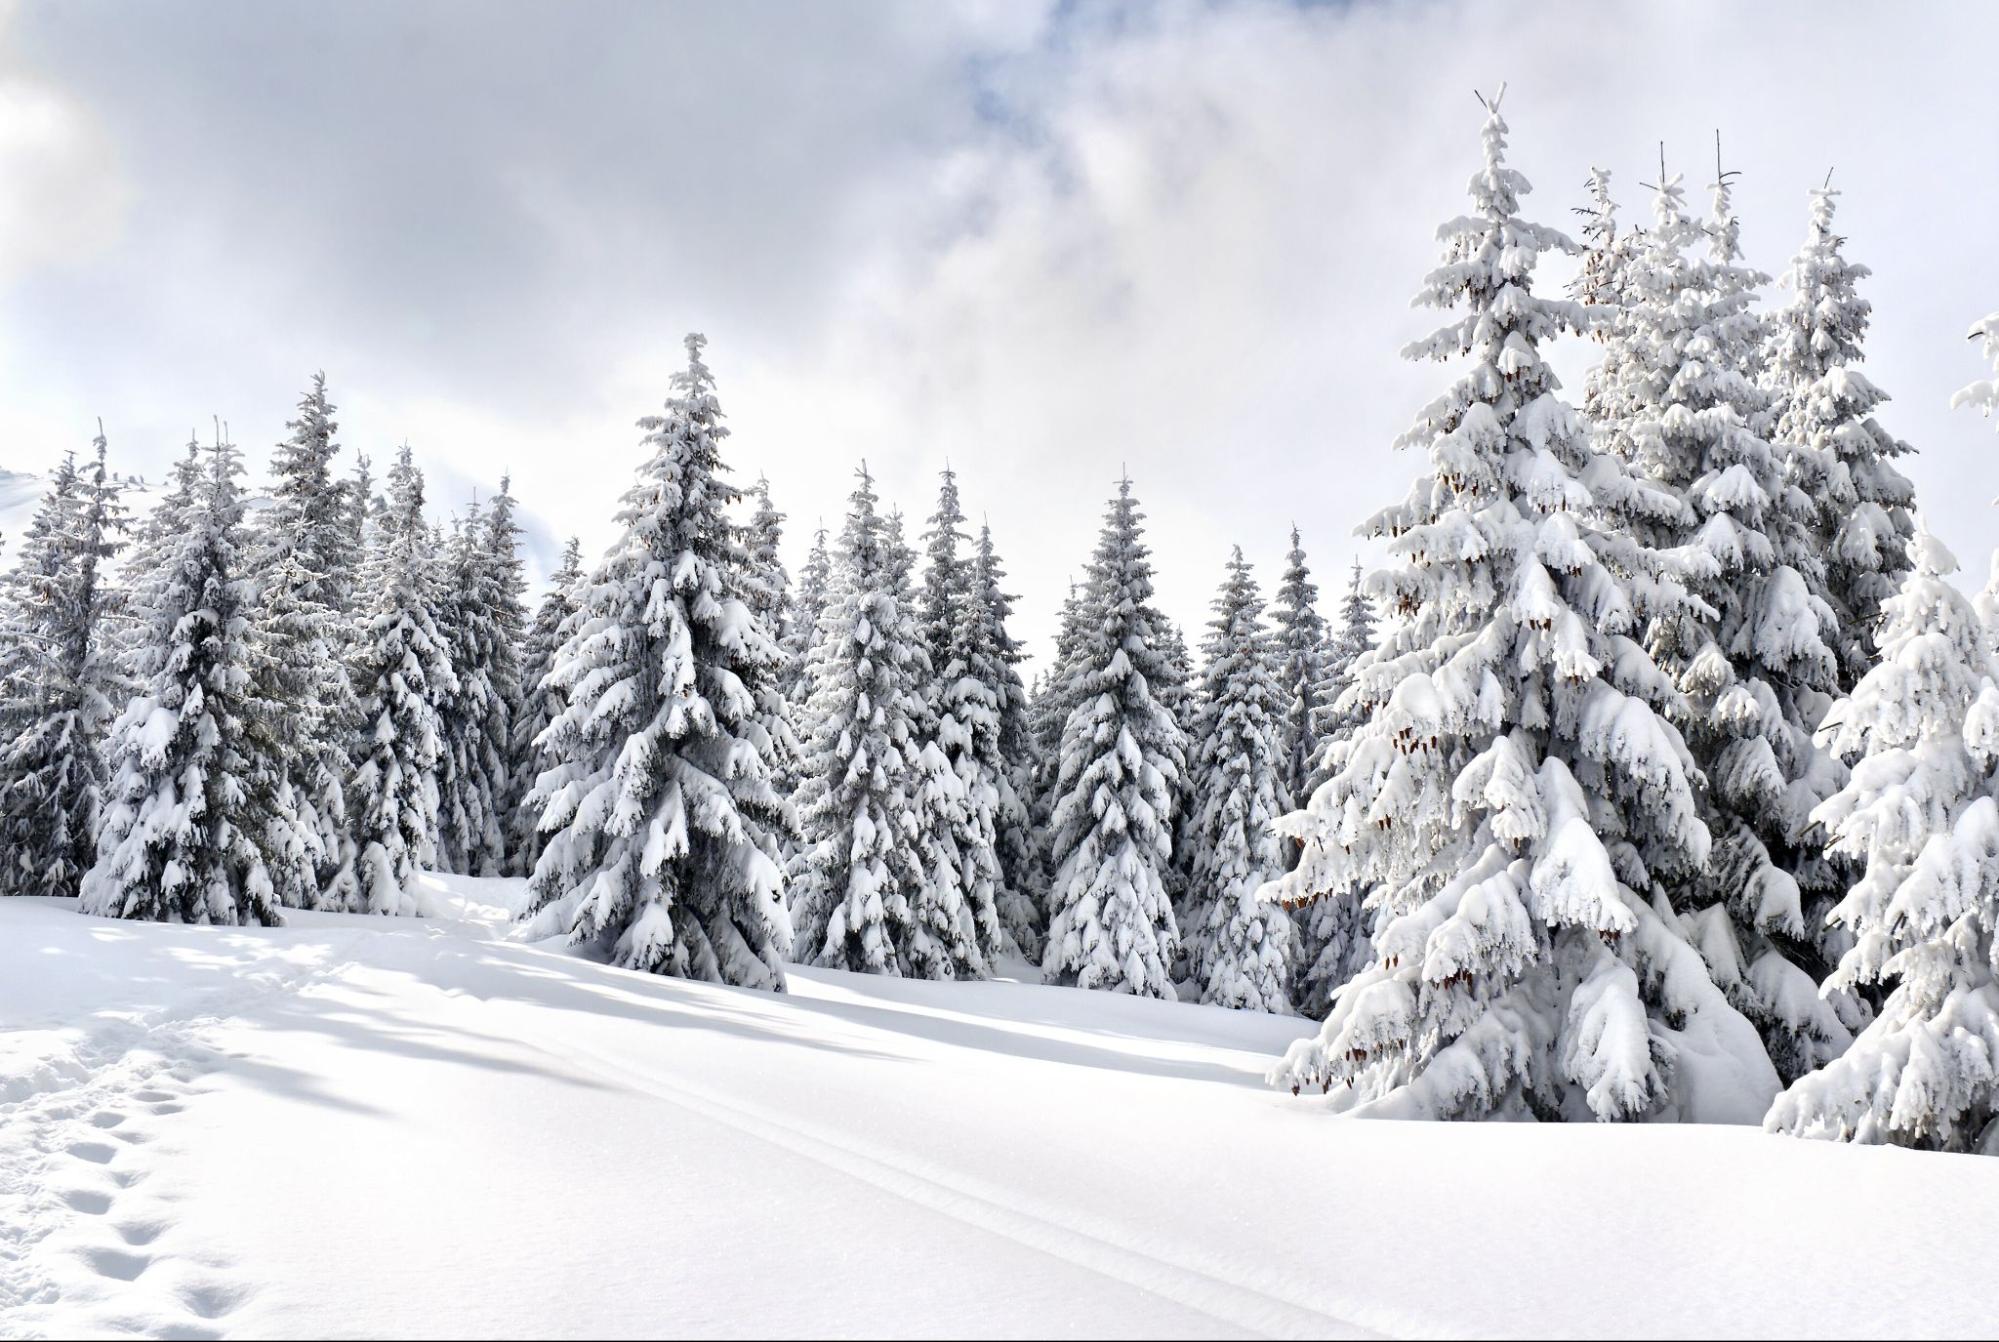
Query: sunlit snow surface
(375, 1127)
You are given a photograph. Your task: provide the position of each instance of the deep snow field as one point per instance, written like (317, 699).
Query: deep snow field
(369, 1127)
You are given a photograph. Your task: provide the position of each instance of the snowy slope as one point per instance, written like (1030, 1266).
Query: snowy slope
(400, 1127)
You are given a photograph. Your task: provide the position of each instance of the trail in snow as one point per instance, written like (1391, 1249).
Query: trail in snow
(421, 1128)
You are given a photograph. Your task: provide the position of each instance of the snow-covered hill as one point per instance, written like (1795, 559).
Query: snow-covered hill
(362, 1127)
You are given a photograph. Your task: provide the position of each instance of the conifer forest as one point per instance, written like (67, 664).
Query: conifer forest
(994, 820)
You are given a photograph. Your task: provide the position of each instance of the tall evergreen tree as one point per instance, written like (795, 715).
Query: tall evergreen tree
(180, 839)
(542, 700)
(1301, 643)
(660, 821)
(56, 682)
(1242, 949)
(966, 698)
(808, 603)
(482, 619)
(1516, 794)
(507, 584)
(1332, 931)
(997, 658)
(767, 590)
(1123, 762)
(402, 673)
(873, 890)
(1753, 654)
(307, 568)
(1921, 815)
(1843, 458)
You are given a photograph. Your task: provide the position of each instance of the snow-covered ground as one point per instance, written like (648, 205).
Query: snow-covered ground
(356, 1127)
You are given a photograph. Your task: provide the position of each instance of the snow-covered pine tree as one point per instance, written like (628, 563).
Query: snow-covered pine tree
(56, 682)
(767, 590)
(305, 574)
(808, 603)
(967, 694)
(1122, 766)
(999, 655)
(1332, 932)
(1839, 454)
(186, 809)
(1984, 395)
(952, 921)
(1599, 282)
(542, 700)
(1920, 812)
(1048, 711)
(481, 620)
(660, 822)
(862, 895)
(1179, 693)
(1516, 794)
(363, 514)
(1753, 654)
(764, 536)
(507, 585)
(1301, 643)
(1242, 951)
(401, 670)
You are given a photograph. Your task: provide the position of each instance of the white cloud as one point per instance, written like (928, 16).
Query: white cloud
(1044, 243)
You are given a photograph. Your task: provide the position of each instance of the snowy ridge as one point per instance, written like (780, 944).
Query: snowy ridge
(217, 1132)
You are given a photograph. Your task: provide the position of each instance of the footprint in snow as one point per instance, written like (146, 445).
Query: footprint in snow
(88, 1201)
(97, 1153)
(140, 1232)
(116, 1263)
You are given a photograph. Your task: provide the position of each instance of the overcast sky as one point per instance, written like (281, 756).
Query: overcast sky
(1046, 242)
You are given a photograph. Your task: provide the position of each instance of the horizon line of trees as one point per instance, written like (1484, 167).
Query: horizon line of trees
(1652, 777)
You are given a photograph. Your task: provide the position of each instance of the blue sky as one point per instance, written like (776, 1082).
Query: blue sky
(1045, 243)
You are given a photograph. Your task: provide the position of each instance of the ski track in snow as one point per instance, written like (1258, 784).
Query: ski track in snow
(1067, 1237)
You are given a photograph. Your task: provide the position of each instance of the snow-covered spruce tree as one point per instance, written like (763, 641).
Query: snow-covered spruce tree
(1516, 793)
(188, 802)
(763, 536)
(507, 583)
(363, 515)
(541, 700)
(305, 574)
(660, 822)
(966, 698)
(1179, 693)
(808, 603)
(767, 591)
(1984, 395)
(481, 618)
(1301, 644)
(1122, 765)
(1055, 696)
(1840, 455)
(1919, 811)
(56, 682)
(401, 670)
(1753, 654)
(868, 802)
(998, 656)
(1241, 953)
(1332, 932)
